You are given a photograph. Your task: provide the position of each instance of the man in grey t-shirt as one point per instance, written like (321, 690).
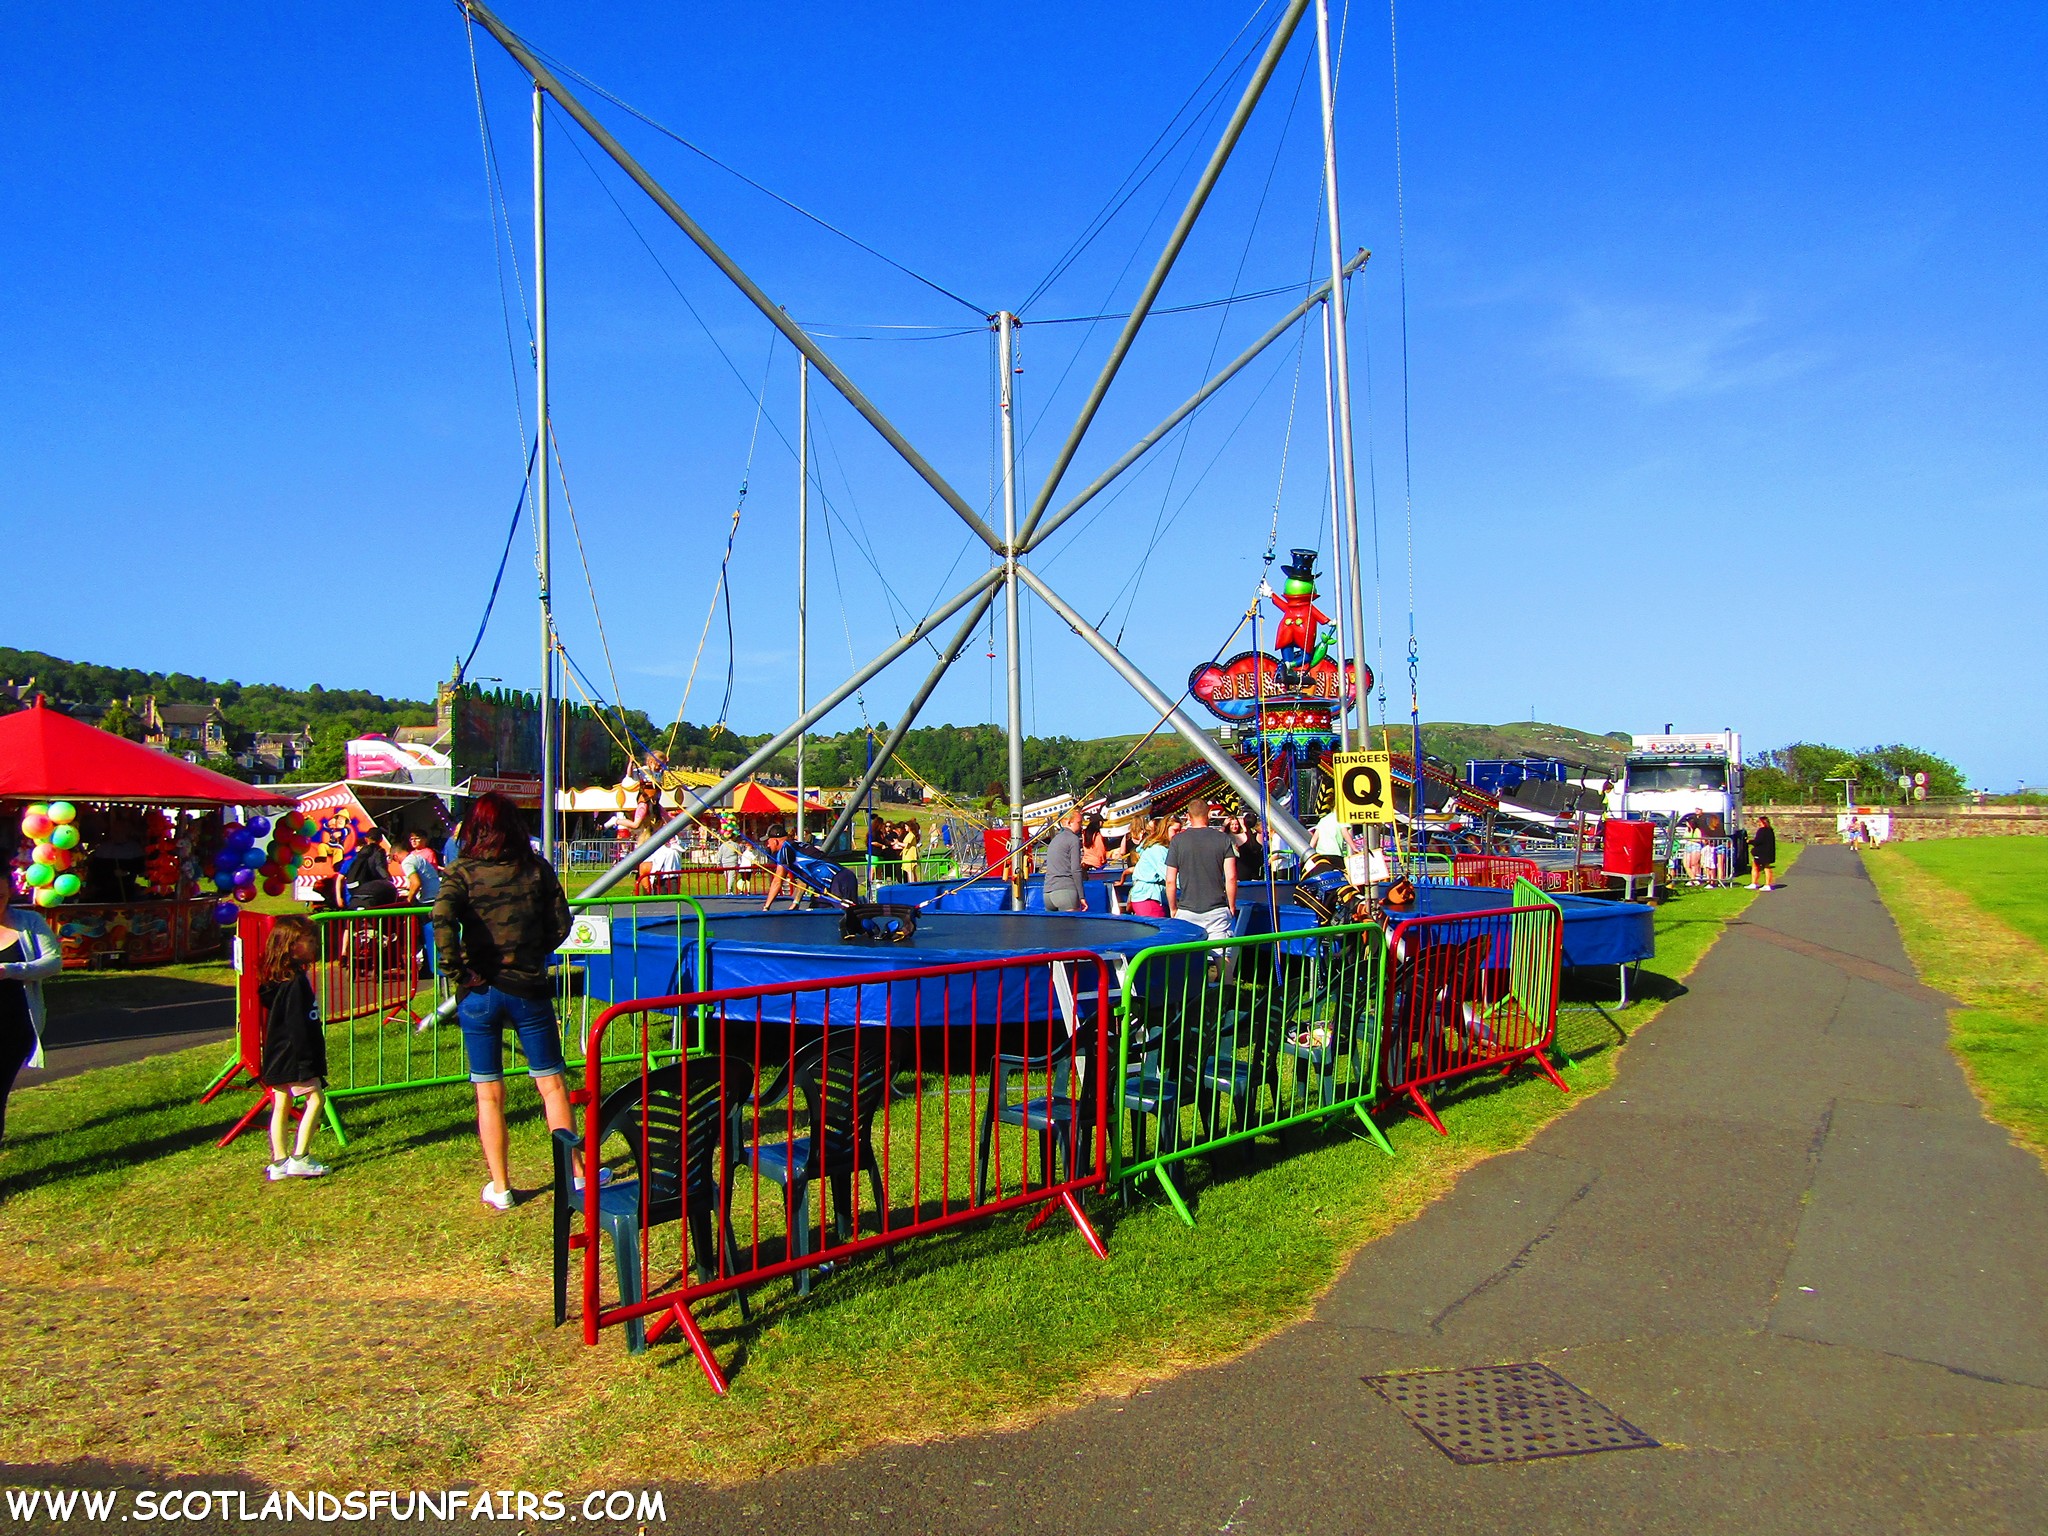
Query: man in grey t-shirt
(1201, 875)
(1063, 875)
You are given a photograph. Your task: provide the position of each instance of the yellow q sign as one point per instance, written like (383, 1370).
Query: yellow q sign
(1364, 786)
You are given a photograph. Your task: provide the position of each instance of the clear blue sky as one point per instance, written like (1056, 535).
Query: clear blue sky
(1726, 350)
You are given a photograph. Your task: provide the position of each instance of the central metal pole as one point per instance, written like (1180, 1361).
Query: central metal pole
(803, 564)
(544, 462)
(1348, 626)
(1340, 329)
(1006, 324)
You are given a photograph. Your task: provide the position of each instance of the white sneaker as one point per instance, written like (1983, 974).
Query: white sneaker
(1751, 886)
(497, 1199)
(604, 1177)
(304, 1168)
(277, 1170)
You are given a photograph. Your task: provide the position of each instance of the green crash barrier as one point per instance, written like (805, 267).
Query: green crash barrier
(1229, 1039)
(386, 1008)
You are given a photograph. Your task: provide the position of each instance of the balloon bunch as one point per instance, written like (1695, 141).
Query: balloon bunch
(160, 854)
(241, 865)
(54, 831)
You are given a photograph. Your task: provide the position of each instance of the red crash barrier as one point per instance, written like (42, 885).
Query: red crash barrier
(1498, 871)
(826, 1119)
(1467, 992)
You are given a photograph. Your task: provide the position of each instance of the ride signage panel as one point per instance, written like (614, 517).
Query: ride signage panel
(1365, 786)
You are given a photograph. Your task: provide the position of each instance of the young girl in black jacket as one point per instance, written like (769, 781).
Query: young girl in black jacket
(294, 1044)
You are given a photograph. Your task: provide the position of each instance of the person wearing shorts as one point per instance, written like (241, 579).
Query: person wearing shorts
(1201, 875)
(497, 921)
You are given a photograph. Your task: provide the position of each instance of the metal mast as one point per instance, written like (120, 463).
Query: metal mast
(1338, 325)
(1006, 324)
(542, 534)
(1347, 624)
(803, 564)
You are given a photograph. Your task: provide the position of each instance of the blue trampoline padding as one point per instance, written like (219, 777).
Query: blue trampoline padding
(769, 949)
(1596, 931)
(986, 895)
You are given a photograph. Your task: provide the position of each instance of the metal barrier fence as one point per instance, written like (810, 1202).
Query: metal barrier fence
(384, 1006)
(1496, 871)
(916, 1099)
(1706, 861)
(1427, 868)
(1285, 1030)
(1468, 992)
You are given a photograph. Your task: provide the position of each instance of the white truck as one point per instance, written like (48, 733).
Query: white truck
(1671, 776)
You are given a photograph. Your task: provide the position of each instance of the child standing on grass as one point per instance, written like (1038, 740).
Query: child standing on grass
(294, 1045)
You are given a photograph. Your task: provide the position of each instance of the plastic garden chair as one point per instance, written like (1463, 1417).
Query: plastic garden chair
(818, 1123)
(672, 1189)
(1050, 1101)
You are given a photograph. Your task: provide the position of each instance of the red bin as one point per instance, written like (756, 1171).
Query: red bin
(1628, 847)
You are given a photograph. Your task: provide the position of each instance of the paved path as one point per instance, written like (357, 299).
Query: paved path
(179, 1015)
(1785, 1244)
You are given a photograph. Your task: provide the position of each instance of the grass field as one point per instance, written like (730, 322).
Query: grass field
(1974, 915)
(165, 1307)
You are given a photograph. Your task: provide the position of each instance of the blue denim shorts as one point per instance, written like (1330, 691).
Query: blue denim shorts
(484, 1017)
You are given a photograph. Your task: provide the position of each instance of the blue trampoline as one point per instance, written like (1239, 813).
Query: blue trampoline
(654, 956)
(986, 895)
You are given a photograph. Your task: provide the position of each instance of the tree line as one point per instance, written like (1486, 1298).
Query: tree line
(1804, 774)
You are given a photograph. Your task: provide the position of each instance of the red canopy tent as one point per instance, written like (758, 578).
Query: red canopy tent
(47, 755)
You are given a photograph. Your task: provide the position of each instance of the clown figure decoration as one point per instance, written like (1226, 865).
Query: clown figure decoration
(1299, 640)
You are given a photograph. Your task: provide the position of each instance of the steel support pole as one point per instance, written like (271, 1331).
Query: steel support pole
(1194, 402)
(700, 801)
(1283, 32)
(543, 77)
(887, 754)
(1339, 310)
(1231, 771)
(1006, 327)
(1347, 627)
(803, 569)
(543, 535)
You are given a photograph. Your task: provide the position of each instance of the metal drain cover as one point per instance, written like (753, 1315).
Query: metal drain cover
(1506, 1413)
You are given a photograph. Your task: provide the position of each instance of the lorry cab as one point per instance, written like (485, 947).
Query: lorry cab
(1670, 777)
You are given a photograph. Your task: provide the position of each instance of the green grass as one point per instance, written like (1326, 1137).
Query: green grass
(1974, 916)
(2004, 876)
(167, 1307)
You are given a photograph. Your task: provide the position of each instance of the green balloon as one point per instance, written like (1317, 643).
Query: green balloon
(64, 835)
(67, 885)
(39, 874)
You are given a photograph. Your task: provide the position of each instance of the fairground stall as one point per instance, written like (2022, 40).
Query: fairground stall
(115, 838)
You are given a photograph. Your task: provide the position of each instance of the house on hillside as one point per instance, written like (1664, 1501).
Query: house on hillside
(273, 754)
(190, 730)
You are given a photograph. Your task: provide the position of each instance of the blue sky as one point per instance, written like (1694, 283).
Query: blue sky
(1726, 350)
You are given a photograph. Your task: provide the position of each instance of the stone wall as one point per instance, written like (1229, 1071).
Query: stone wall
(1816, 823)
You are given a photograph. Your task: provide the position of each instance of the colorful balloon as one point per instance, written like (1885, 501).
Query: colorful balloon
(36, 826)
(38, 875)
(64, 835)
(61, 858)
(44, 854)
(47, 897)
(67, 885)
(62, 811)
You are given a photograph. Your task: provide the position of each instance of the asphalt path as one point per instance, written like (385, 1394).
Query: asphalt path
(163, 1016)
(1785, 1244)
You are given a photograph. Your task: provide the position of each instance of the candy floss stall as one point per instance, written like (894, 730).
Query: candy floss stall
(135, 857)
